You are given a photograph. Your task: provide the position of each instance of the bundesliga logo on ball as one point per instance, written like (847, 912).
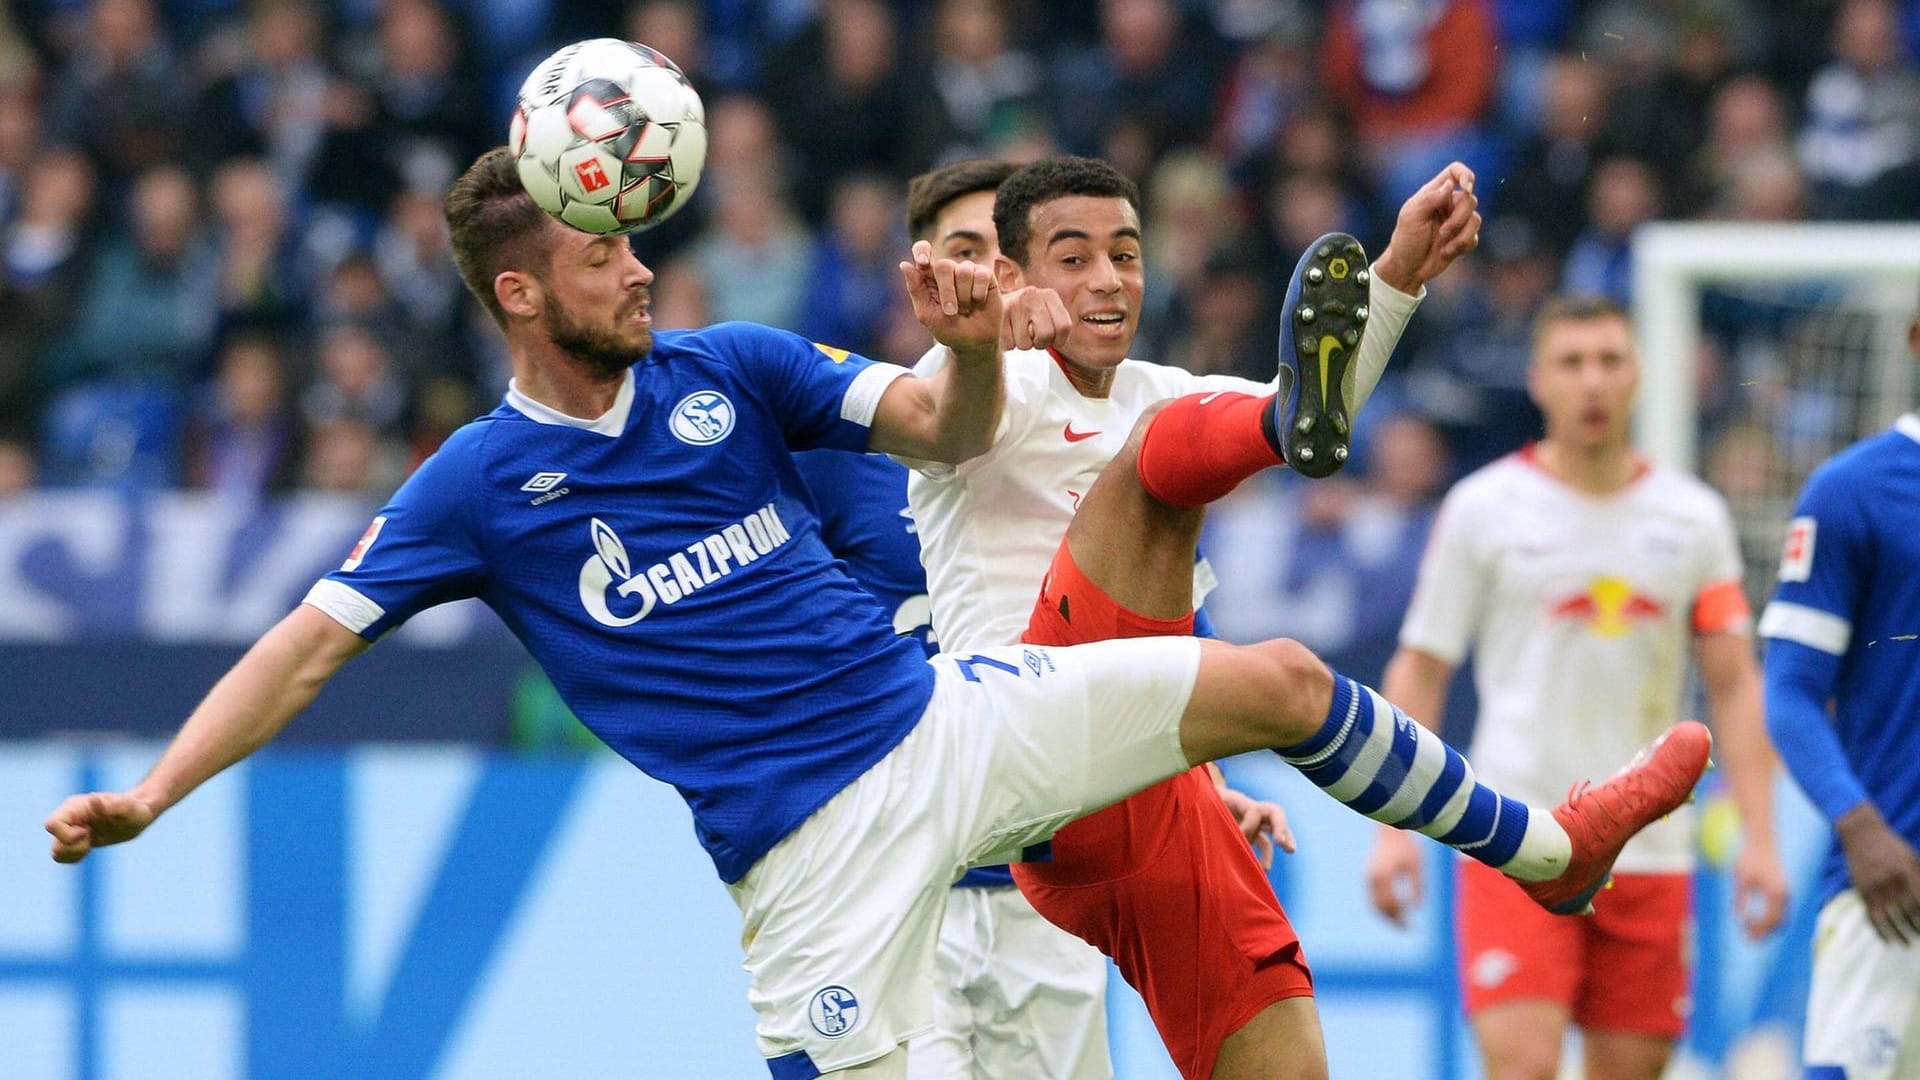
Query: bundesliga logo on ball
(609, 136)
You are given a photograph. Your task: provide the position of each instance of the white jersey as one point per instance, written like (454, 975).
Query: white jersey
(1579, 610)
(989, 526)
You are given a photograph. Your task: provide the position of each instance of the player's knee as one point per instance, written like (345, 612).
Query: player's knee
(1296, 680)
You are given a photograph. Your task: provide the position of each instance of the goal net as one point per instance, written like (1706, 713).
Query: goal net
(1765, 349)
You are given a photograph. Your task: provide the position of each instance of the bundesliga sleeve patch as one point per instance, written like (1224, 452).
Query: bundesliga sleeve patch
(1796, 558)
(359, 552)
(838, 356)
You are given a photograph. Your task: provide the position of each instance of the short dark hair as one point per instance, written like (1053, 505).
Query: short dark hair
(1046, 180)
(1575, 307)
(493, 225)
(930, 192)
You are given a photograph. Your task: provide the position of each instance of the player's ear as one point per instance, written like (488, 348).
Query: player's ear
(519, 293)
(1007, 273)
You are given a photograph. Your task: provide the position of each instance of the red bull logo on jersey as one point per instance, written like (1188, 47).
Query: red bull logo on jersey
(615, 593)
(1610, 607)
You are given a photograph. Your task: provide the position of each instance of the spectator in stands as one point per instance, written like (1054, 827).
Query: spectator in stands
(1148, 85)
(278, 100)
(988, 88)
(754, 264)
(1747, 125)
(677, 28)
(1625, 194)
(847, 103)
(1555, 163)
(1862, 112)
(240, 436)
(262, 280)
(349, 457)
(1417, 76)
(416, 115)
(148, 311)
(354, 379)
(19, 142)
(18, 472)
(1670, 60)
(416, 265)
(856, 266)
(1191, 204)
(120, 96)
(1272, 81)
(1225, 319)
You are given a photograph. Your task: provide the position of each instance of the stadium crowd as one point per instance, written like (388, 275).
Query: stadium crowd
(223, 263)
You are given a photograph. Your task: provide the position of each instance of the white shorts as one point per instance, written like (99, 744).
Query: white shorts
(1861, 1013)
(842, 916)
(1018, 997)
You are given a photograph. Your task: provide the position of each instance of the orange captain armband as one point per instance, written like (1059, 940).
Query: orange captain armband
(1721, 606)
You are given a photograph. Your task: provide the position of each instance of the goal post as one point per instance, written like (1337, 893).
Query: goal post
(1674, 262)
(1797, 333)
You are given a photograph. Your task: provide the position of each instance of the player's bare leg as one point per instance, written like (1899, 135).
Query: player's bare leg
(1282, 1043)
(1522, 1040)
(1625, 1055)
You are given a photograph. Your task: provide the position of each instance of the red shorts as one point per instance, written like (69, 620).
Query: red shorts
(1624, 968)
(1163, 881)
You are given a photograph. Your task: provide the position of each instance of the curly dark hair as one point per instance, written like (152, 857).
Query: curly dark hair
(1044, 181)
(930, 192)
(493, 225)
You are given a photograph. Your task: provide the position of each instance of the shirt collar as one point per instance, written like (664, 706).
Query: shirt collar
(611, 423)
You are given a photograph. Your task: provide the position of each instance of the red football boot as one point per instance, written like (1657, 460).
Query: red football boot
(1601, 819)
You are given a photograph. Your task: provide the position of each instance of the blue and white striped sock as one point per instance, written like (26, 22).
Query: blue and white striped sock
(1374, 758)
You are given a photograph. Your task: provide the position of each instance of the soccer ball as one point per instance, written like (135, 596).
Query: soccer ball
(609, 136)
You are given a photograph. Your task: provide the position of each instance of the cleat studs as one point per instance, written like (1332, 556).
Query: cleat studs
(1304, 453)
(1338, 268)
(1362, 276)
(1351, 337)
(1325, 250)
(1304, 425)
(1306, 314)
(1340, 423)
(1306, 347)
(1340, 454)
(1315, 275)
(1360, 313)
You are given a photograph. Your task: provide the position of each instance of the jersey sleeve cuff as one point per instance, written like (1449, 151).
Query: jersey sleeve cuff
(863, 395)
(1809, 626)
(345, 605)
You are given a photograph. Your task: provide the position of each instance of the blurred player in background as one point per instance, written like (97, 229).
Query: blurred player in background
(1018, 996)
(676, 591)
(1843, 702)
(1102, 512)
(1577, 574)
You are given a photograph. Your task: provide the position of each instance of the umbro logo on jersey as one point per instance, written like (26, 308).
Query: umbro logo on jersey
(1077, 436)
(545, 487)
(912, 526)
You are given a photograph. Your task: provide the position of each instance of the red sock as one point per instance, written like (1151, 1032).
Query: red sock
(1201, 446)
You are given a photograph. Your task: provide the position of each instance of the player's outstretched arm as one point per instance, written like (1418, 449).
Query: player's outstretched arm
(276, 679)
(1437, 224)
(1732, 679)
(1417, 682)
(951, 416)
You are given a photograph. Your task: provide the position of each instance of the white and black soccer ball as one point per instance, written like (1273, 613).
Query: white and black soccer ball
(609, 136)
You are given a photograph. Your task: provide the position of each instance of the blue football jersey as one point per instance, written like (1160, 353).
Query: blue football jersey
(861, 500)
(1850, 588)
(663, 566)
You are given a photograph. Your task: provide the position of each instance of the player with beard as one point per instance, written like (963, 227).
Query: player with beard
(631, 512)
